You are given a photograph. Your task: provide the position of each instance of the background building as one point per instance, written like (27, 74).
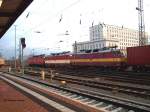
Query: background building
(108, 36)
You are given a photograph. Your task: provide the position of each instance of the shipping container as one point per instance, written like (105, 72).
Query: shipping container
(139, 56)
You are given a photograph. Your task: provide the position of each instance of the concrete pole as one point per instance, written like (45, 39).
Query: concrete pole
(22, 60)
(15, 48)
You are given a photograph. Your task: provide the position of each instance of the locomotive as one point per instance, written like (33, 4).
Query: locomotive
(137, 58)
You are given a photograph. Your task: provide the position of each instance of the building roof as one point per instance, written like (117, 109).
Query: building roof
(10, 10)
(89, 42)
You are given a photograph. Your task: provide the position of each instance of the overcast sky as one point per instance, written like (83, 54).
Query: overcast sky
(45, 22)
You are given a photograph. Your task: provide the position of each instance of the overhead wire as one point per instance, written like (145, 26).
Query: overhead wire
(27, 15)
(50, 18)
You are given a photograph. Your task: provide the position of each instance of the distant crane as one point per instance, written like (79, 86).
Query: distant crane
(140, 9)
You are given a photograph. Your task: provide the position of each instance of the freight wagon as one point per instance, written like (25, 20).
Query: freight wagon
(139, 57)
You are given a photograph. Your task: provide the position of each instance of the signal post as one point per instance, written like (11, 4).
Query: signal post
(22, 46)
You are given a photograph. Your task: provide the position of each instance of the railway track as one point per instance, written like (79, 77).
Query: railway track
(136, 91)
(120, 88)
(126, 77)
(47, 94)
(95, 100)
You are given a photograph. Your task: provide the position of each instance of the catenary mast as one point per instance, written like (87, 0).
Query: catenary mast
(140, 9)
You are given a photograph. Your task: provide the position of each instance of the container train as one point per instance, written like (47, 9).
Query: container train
(136, 58)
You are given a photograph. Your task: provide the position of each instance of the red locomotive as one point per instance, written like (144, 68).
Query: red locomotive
(137, 58)
(36, 61)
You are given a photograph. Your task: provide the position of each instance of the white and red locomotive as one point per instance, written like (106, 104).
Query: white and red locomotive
(137, 57)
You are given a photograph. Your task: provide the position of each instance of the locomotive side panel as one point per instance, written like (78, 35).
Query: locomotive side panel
(108, 59)
(61, 60)
(36, 61)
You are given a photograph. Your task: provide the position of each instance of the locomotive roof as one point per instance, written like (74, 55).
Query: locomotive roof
(102, 51)
(70, 54)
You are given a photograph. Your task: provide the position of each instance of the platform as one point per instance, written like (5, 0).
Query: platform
(12, 100)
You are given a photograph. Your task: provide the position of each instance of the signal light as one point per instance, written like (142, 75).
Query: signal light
(23, 43)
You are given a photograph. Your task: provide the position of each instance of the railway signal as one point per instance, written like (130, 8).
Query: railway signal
(23, 43)
(22, 46)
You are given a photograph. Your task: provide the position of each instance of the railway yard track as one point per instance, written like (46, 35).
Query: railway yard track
(98, 101)
(130, 89)
(137, 91)
(127, 77)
